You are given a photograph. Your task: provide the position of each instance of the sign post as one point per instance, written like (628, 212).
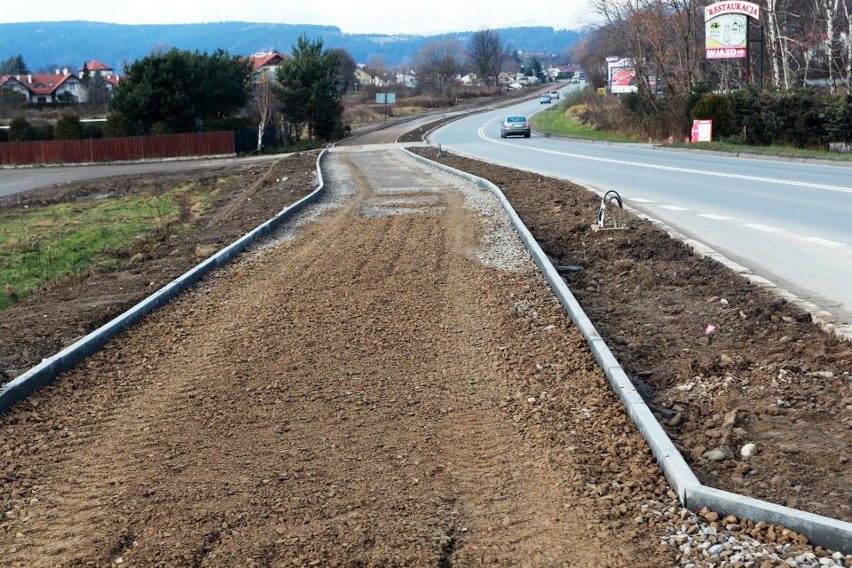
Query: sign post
(385, 99)
(727, 31)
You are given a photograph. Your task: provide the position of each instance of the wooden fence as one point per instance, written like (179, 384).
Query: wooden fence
(116, 149)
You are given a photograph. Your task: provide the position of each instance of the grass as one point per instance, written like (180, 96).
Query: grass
(556, 122)
(42, 246)
(781, 151)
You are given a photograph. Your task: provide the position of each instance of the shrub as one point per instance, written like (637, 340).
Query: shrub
(117, 125)
(20, 130)
(68, 127)
(715, 107)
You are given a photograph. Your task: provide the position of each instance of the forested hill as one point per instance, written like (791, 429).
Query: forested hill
(69, 44)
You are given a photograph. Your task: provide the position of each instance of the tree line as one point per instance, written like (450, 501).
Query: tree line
(182, 91)
(807, 43)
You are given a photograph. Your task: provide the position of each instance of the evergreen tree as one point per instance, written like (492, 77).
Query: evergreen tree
(309, 88)
(176, 89)
(14, 66)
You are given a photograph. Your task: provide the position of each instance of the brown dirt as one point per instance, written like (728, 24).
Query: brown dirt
(54, 318)
(366, 393)
(767, 375)
(361, 394)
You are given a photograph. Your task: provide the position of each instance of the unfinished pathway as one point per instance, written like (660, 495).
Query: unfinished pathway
(392, 383)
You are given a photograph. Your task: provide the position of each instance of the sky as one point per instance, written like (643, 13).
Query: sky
(426, 17)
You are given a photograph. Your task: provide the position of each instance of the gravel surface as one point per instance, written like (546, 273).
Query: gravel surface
(390, 382)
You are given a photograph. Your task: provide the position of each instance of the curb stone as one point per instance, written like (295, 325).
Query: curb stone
(44, 373)
(829, 533)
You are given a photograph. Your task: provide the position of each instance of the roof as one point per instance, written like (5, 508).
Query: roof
(95, 65)
(267, 59)
(39, 83)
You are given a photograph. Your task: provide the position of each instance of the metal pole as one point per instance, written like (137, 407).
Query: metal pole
(748, 52)
(762, 52)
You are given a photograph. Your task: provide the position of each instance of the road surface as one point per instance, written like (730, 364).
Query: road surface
(784, 220)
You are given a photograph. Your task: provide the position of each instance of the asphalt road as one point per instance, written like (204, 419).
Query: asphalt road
(16, 180)
(786, 221)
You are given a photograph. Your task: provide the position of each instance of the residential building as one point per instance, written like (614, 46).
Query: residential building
(42, 88)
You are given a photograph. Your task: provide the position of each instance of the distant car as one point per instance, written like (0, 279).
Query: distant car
(554, 94)
(515, 125)
(545, 99)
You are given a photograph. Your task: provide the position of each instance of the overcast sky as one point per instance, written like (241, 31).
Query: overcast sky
(351, 16)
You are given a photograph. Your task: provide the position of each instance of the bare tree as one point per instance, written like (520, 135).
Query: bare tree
(263, 101)
(486, 54)
(438, 63)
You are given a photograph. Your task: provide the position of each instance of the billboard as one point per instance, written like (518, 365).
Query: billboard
(726, 28)
(622, 76)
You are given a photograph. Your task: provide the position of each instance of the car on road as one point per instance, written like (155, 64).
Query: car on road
(515, 125)
(554, 94)
(545, 99)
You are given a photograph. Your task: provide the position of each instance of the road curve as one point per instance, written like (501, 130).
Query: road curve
(785, 221)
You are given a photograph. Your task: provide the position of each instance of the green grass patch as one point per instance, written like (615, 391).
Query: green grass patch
(781, 151)
(556, 122)
(41, 246)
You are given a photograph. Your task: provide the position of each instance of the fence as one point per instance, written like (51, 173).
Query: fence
(116, 149)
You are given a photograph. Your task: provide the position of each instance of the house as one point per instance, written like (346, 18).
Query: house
(470, 80)
(96, 68)
(266, 62)
(362, 78)
(406, 80)
(41, 88)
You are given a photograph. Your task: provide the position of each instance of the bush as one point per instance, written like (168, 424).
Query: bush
(717, 108)
(163, 127)
(117, 125)
(68, 127)
(20, 130)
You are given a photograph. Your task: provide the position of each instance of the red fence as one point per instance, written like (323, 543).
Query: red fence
(116, 149)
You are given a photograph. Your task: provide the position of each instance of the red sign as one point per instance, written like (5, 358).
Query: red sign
(725, 52)
(702, 130)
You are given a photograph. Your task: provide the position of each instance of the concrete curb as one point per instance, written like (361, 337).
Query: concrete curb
(44, 373)
(827, 321)
(823, 531)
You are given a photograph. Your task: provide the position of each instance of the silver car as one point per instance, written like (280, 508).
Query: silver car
(515, 125)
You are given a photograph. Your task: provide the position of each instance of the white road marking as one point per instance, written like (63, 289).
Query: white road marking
(779, 181)
(764, 228)
(714, 217)
(823, 242)
(673, 208)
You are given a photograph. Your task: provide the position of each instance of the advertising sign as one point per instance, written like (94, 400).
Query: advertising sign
(726, 28)
(622, 76)
(702, 130)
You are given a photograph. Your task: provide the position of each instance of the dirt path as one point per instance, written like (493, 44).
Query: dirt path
(382, 389)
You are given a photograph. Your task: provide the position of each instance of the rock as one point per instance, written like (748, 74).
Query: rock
(821, 375)
(723, 301)
(789, 448)
(716, 549)
(718, 454)
(748, 450)
(725, 360)
(730, 420)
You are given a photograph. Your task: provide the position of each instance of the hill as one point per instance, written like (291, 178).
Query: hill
(45, 45)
